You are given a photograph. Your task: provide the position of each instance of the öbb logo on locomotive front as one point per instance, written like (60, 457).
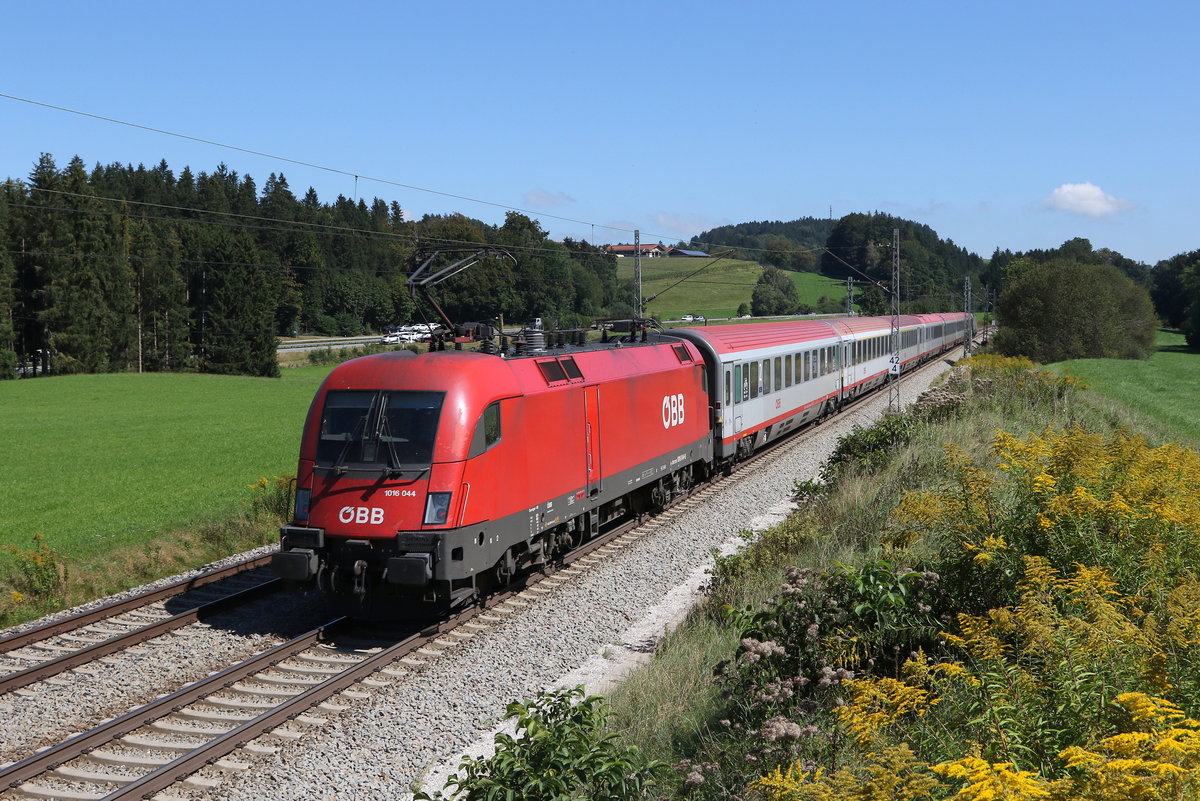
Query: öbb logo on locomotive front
(361, 514)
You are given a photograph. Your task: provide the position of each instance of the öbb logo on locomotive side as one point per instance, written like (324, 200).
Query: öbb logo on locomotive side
(672, 410)
(361, 514)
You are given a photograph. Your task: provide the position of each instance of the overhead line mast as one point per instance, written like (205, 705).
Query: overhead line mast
(894, 367)
(637, 273)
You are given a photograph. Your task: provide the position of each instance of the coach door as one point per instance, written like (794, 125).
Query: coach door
(591, 416)
(741, 391)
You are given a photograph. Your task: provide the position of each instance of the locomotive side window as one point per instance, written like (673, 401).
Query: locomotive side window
(487, 430)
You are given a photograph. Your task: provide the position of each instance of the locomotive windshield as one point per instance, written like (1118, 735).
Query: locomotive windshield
(384, 429)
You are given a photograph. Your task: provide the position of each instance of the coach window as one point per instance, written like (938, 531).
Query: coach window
(737, 384)
(753, 379)
(778, 373)
(766, 376)
(728, 389)
(787, 370)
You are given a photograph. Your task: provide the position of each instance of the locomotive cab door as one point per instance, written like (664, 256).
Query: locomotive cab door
(591, 424)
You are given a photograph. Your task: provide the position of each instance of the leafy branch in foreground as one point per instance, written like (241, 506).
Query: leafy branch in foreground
(561, 751)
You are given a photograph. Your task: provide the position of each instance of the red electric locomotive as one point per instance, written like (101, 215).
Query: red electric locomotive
(424, 479)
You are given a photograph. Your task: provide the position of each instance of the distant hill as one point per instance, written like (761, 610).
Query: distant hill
(858, 247)
(794, 245)
(932, 268)
(716, 291)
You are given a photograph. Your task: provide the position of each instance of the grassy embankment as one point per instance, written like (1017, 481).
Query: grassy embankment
(718, 290)
(129, 477)
(1071, 546)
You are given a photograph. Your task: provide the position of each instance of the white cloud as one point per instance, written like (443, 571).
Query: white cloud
(536, 197)
(1086, 199)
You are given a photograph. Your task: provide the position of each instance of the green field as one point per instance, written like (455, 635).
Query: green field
(98, 462)
(1162, 388)
(717, 290)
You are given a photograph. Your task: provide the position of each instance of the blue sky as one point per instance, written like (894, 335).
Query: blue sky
(1016, 125)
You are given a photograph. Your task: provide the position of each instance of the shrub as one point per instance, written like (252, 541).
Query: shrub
(38, 576)
(823, 629)
(561, 751)
(271, 498)
(869, 448)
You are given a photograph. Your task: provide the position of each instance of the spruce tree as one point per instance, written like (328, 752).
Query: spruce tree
(240, 325)
(8, 280)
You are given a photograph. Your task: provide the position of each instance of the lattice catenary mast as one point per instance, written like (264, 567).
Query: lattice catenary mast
(894, 366)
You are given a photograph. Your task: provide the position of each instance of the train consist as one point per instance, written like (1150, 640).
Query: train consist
(424, 480)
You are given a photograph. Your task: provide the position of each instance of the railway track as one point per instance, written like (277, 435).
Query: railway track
(276, 695)
(46, 651)
(151, 748)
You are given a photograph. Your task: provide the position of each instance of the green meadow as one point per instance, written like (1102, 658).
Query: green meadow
(1163, 388)
(96, 463)
(717, 290)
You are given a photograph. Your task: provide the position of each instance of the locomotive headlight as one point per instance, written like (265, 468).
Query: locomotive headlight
(437, 508)
(303, 497)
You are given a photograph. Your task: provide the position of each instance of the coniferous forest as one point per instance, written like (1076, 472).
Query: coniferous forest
(121, 268)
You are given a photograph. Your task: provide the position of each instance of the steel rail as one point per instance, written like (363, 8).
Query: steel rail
(120, 642)
(131, 721)
(21, 639)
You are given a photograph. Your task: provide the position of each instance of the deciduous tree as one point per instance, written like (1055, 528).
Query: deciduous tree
(1060, 310)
